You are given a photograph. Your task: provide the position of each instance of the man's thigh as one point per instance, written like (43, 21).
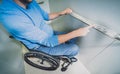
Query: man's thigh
(62, 49)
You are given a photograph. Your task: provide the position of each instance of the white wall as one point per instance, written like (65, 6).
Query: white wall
(11, 60)
(45, 5)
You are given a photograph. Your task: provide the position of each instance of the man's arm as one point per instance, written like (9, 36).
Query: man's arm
(57, 14)
(76, 33)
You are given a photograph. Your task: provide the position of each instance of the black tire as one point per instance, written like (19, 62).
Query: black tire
(63, 69)
(53, 62)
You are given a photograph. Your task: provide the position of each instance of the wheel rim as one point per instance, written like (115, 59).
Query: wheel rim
(35, 58)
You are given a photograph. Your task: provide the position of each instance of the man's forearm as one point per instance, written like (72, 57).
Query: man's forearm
(65, 37)
(76, 33)
(54, 15)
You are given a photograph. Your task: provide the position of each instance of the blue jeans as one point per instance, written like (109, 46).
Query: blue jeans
(69, 48)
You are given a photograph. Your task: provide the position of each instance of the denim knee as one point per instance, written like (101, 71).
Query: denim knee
(75, 50)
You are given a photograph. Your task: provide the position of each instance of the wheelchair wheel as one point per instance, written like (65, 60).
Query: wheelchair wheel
(41, 60)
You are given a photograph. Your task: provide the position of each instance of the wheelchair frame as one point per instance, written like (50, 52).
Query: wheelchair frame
(37, 58)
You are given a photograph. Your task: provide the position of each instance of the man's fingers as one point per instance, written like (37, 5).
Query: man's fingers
(91, 26)
(88, 31)
(68, 10)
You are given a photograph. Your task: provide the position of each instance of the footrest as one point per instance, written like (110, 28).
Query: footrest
(67, 62)
(73, 59)
(65, 59)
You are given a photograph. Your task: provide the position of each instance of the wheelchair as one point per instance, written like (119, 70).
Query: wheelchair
(44, 61)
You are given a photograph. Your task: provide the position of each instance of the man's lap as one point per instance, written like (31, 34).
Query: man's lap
(62, 49)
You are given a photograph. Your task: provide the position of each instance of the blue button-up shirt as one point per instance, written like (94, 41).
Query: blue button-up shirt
(27, 25)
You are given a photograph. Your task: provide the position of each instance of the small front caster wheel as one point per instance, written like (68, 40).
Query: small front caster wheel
(64, 69)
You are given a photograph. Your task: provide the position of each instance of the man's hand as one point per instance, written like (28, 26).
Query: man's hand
(57, 14)
(83, 31)
(66, 11)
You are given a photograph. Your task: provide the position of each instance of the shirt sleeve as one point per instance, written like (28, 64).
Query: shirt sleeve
(26, 31)
(44, 14)
(40, 37)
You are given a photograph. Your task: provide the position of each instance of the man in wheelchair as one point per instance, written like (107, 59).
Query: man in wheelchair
(25, 21)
